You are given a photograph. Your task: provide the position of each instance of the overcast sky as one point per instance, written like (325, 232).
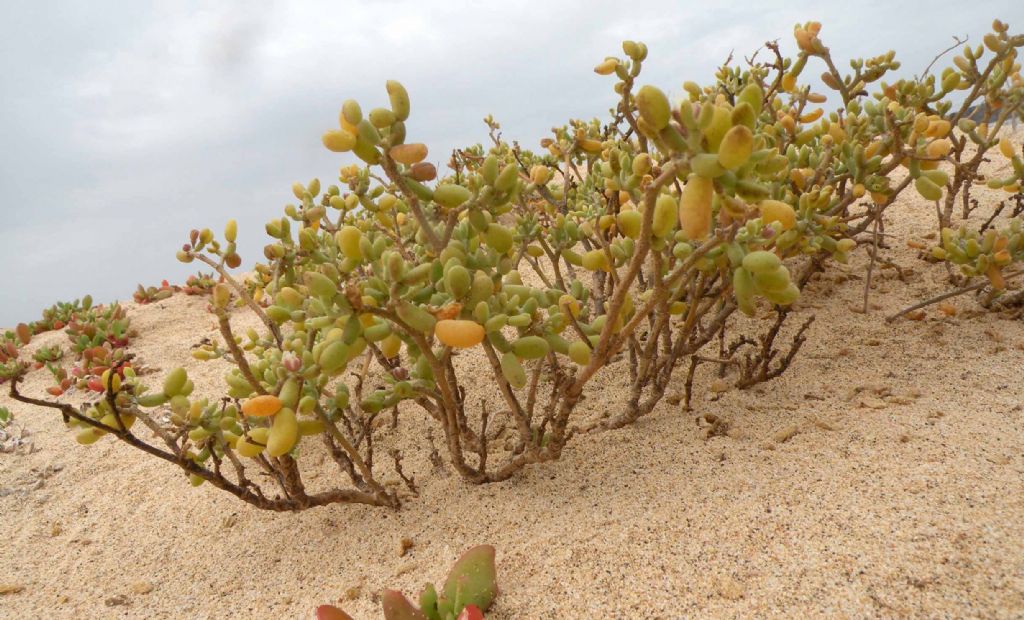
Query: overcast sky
(125, 124)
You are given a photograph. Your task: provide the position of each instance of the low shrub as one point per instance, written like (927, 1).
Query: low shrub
(637, 238)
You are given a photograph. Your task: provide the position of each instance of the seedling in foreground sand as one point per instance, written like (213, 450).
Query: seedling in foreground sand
(468, 591)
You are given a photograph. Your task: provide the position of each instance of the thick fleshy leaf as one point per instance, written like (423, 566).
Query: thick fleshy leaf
(330, 612)
(397, 607)
(428, 602)
(473, 579)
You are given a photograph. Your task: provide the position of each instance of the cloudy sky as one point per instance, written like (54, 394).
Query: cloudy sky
(125, 124)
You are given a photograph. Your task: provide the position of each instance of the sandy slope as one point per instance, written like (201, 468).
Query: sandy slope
(901, 495)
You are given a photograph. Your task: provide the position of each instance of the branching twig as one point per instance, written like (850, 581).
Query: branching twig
(944, 296)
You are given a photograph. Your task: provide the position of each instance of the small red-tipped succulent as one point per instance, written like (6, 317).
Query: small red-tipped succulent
(468, 591)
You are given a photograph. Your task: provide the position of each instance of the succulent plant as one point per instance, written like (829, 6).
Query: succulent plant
(62, 382)
(99, 325)
(468, 591)
(637, 237)
(989, 251)
(983, 254)
(44, 355)
(60, 314)
(149, 294)
(10, 342)
(199, 284)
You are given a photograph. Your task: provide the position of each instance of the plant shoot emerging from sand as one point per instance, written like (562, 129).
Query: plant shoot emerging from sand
(468, 591)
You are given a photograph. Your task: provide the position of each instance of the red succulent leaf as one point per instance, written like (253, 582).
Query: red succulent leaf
(330, 612)
(471, 612)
